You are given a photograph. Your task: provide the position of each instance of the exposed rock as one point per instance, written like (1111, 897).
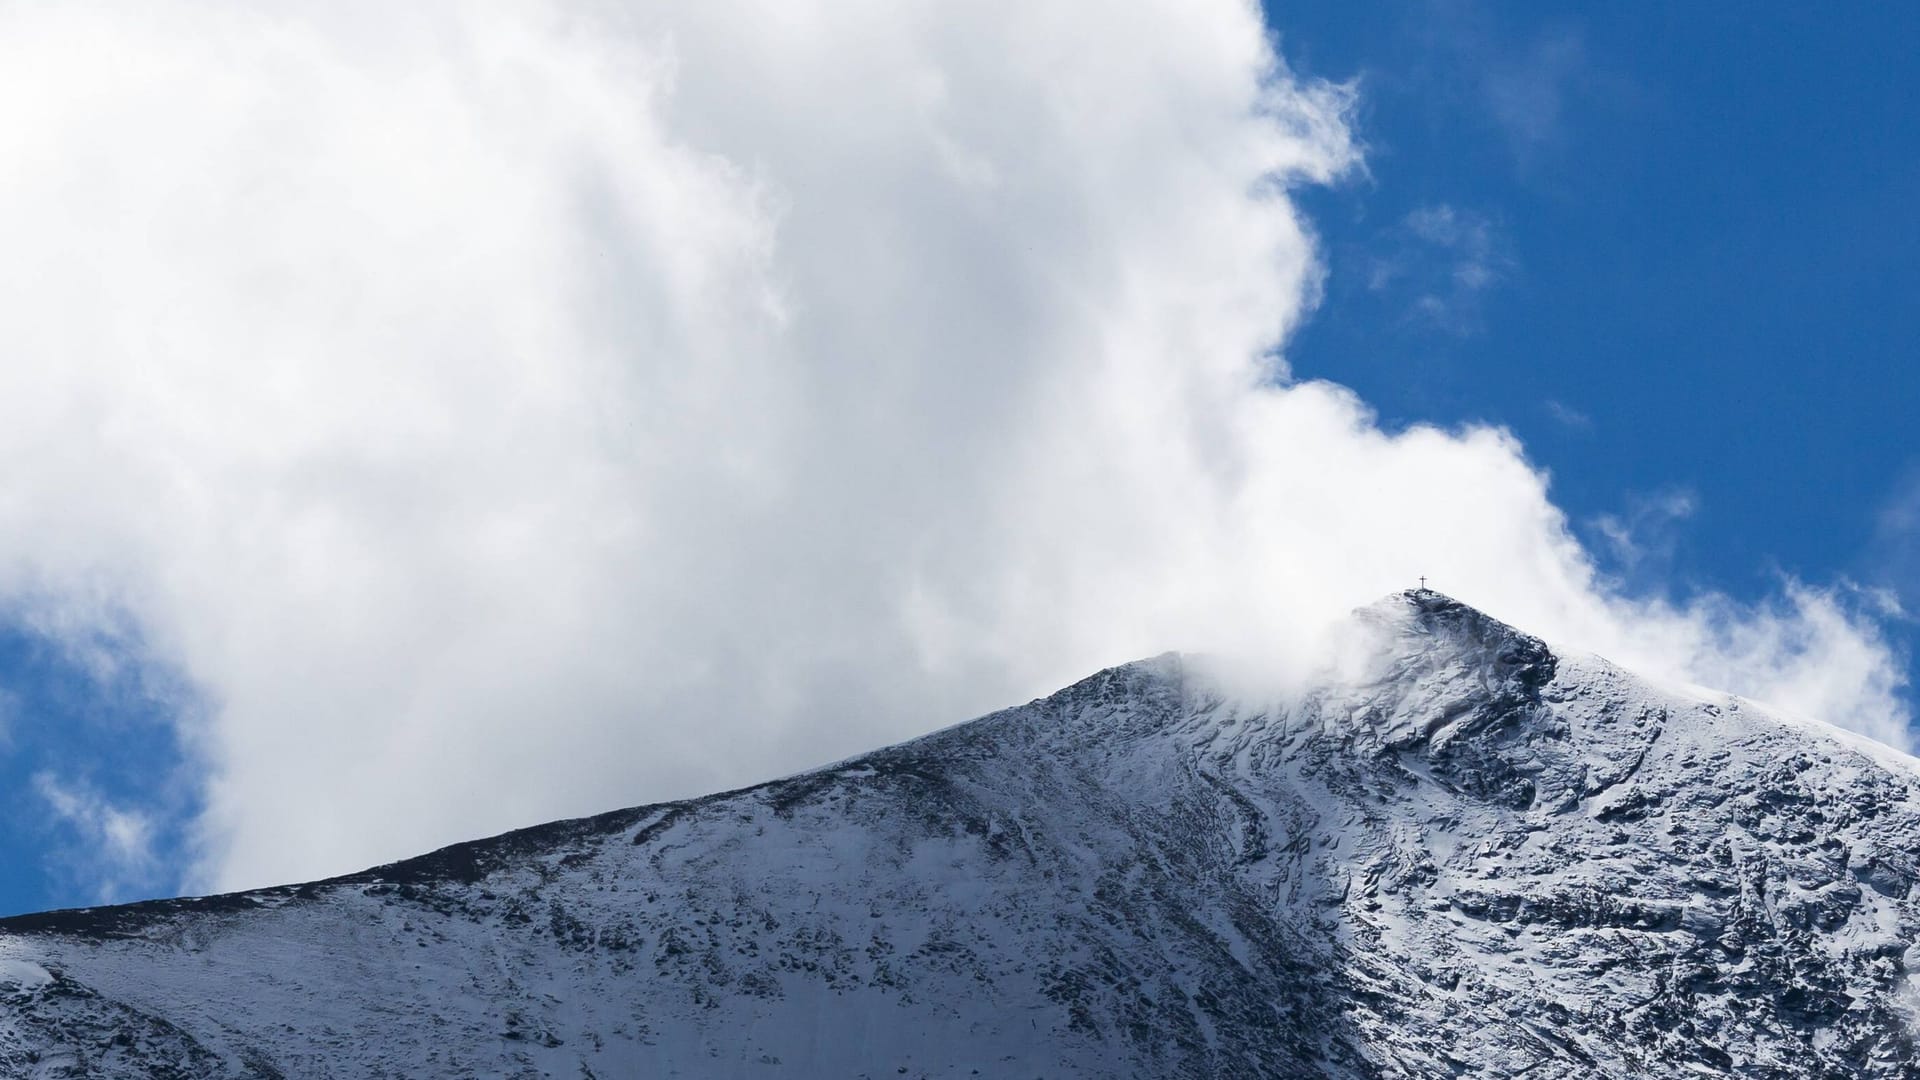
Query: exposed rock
(1479, 859)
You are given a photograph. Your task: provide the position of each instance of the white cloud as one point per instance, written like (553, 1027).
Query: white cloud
(114, 848)
(510, 410)
(1891, 560)
(1568, 417)
(1443, 258)
(1526, 93)
(1646, 533)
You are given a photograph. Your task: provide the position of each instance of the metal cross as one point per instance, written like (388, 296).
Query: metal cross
(1423, 583)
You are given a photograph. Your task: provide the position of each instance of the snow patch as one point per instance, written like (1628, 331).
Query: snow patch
(23, 973)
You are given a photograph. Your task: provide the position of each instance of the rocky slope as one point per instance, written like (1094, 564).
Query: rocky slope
(1477, 858)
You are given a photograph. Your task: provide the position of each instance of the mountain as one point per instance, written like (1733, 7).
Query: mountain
(1471, 855)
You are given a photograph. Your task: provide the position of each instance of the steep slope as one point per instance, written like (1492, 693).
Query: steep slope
(1475, 858)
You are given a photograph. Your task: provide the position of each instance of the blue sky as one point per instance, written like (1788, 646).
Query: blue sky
(1674, 251)
(1682, 263)
(84, 739)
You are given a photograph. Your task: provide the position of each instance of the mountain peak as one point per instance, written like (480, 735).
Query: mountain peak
(1436, 613)
(1427, 646)
(1478, 859)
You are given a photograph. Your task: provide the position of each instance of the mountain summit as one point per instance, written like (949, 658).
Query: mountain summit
(1471, 856)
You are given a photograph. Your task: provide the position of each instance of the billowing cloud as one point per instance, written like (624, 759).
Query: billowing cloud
(507, 410)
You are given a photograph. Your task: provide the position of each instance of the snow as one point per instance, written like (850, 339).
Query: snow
(23, 973)
(1467, 850)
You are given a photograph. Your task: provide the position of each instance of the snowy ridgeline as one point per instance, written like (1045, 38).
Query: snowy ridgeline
(1481, 859)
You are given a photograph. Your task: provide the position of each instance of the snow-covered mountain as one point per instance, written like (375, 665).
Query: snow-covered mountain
(1477, 857)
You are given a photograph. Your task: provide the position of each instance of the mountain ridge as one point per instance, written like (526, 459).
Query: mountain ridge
(1468, 855)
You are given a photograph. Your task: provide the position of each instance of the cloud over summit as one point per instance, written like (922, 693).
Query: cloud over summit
(510, 410)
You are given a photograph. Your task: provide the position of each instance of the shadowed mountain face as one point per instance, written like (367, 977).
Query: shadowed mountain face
(1475, 858)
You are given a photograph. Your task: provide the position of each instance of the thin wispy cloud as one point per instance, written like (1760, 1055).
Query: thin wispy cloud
(1526, 92)
(1526, 87)
(1568, 417)
(110, 848)
(1891, 561)
(503, 411)
(1640, 541)
(1440, 262)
